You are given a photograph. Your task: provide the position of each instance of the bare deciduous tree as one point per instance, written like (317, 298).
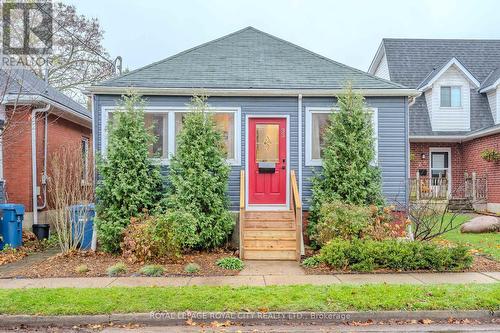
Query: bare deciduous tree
(77, 59)
(70, 183)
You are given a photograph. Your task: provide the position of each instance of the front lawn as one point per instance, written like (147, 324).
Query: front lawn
(487, 243)
(68, 301)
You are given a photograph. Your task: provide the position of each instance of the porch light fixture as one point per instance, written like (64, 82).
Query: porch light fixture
(422, 156)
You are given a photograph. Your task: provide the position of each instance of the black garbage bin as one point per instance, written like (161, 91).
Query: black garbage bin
(41, 231)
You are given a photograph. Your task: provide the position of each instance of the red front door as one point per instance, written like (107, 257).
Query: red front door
(267, 161)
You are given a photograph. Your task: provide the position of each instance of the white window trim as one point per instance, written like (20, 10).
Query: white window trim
(441, 150)
(451, 87)
(308, 133)
(236, 161)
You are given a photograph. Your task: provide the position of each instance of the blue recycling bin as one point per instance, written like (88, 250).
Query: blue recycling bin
(82, 221)
(11, 225)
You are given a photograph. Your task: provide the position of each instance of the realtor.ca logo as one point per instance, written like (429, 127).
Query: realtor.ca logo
(26, 31)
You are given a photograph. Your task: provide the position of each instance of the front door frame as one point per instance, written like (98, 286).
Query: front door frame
(441, 150)
(267, 207)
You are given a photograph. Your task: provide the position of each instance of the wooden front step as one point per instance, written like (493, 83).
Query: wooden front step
(269, 235)
(252, 254)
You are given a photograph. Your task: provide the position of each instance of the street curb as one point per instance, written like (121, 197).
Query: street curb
(244, 318)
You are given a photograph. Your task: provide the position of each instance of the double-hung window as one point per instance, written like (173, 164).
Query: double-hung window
(317, 121)
(451, 96)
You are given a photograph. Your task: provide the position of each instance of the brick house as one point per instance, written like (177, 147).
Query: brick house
(37, 120)
(455, 119)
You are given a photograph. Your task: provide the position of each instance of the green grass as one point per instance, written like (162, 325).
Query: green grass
(488, 243)
(67, 301)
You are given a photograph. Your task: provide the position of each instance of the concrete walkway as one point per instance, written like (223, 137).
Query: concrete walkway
(31, 259)
(254, 280)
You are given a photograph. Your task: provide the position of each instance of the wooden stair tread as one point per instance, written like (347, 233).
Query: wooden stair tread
(269, 229)
(269, 238)
(268, 249)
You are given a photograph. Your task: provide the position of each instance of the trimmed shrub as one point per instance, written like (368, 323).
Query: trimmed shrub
(367, 255)
(192, 268)
(152, 270)
(81, 269)
(117, 269)
(153, 237)
(231, 263)
(198, 178)
(342, 220)
(313, 261)
(348, 221)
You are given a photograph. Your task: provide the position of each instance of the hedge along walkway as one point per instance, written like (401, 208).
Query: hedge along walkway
(255, 280)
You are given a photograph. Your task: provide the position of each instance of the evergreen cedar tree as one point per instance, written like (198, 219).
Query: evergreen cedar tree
(198, 177)
(348, 173)
(129, 183)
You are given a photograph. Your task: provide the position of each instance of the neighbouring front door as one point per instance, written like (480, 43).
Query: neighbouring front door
(267, 173)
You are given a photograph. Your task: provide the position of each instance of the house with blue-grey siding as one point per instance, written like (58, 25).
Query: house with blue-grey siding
(271, 100)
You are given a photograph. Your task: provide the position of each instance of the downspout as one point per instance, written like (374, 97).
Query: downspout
(33, 159)
(44, 176)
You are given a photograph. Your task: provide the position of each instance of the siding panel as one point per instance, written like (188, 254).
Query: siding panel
(392, 128)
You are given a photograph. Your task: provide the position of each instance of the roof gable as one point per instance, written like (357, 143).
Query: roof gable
(23, 82)
(248, 59)
(436, 73)
(411, 60)
(492, 81)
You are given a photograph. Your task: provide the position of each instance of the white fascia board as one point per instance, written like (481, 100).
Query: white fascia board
(450, 63)
(251, 92)
(455, 138)
(376, 60)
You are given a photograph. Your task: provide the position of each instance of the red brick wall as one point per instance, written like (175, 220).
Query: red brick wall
(17, 151)
(416, 161)
(474, 163)
(466, 157)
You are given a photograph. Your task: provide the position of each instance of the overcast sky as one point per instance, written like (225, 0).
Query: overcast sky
(348, 31)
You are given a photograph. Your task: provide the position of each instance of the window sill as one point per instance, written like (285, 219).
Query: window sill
(314, 163)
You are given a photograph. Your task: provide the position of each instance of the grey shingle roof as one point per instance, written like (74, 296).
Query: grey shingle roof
(491, 78)
(414, 61)
(24, 82)
(248, 59)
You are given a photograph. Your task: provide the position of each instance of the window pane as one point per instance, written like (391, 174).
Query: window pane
(439, 164)
(456, 97)
(179, 122)
(158, 123)
(445, 96)
(319, 125)
(267, 142)
(225, 123)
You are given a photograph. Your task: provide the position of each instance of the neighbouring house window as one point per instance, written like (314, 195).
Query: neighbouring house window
(317, 121)
(85, 158)
(451, 96)
(158, 124)
(439, 164)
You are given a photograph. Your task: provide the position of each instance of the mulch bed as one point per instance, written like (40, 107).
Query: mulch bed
(480, 264)
(30, 245)
(97, 263)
